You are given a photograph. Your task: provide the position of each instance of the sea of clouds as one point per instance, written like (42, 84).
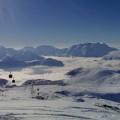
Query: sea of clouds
(58, 73)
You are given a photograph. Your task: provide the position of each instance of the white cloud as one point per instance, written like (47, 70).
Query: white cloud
(58, 73)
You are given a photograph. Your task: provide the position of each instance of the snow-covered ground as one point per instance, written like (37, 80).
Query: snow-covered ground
(17, 104)
(93, 93)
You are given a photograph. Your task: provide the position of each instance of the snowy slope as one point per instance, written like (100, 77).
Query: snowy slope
(89, 50)
(17, 104)
(104, 80)
(112, 56)
(9, 61)
(27, 59)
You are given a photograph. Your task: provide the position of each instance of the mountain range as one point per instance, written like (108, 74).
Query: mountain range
(10, 58)
(30, 56)
(80, 50)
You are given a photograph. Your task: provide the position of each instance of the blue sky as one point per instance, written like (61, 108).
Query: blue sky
(59, 22)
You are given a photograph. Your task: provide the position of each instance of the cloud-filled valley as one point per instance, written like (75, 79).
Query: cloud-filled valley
(59, 73)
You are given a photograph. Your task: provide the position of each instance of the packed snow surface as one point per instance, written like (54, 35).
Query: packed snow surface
(18, 103)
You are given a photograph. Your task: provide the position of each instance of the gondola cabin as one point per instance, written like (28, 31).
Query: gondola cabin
(13, 81)
(10, 75)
